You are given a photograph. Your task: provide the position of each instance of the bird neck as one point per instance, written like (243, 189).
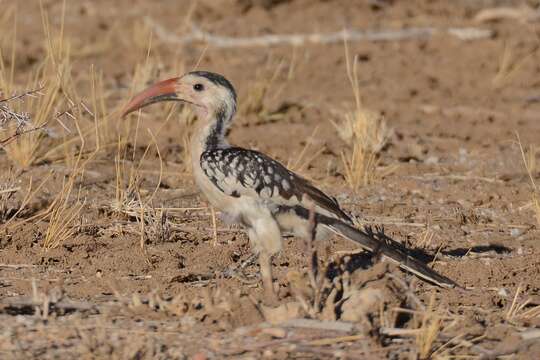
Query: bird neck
(210, 133)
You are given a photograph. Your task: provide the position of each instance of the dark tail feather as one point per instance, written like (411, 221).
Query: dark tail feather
(392, 250)
(384, 245)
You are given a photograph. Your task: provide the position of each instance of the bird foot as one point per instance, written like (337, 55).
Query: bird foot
(270, 297)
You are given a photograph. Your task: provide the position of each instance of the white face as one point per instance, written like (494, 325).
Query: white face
(203, 93)
(208, 96)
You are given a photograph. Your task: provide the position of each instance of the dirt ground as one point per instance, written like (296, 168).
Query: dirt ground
(451, 181)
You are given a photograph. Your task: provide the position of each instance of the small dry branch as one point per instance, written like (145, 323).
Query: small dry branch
(349, 35)
(21, 119)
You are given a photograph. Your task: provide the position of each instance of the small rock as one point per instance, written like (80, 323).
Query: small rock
(275, 332)
(432, 160)
(515, 232)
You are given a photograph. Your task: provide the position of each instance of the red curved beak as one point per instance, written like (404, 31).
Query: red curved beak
(161, 91)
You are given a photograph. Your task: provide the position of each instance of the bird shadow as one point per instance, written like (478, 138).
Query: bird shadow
(364, 260)
(479, 249)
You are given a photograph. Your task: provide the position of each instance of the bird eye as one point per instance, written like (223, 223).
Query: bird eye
(198, 87)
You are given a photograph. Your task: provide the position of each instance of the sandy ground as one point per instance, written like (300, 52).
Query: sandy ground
(451, 182)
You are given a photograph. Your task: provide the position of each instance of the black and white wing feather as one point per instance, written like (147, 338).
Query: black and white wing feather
(241, 172)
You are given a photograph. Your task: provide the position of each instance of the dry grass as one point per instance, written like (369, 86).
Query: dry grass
(521, 309)
(266, 89)
(429, 329)
(64, 212)
(510, 64)
(529, 160)
(52, 76)
(364, 131)
(307, 155)
(127, 199)
(63, 215)
(8, 188)
(426, 240)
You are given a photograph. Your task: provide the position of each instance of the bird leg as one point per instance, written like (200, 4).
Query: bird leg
(265, 262)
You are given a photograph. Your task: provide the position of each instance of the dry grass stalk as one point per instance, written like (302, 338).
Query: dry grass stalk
(158, 229)
(258, 96)
(35, 110)
(63, 215)
(128, 194)
(127, 186)
(519, 310)
(8, 189)
(426, 239)
(509, 65)
(364, 131)
(10, 223)
(529, 160)
(54, 72)
(306, 157)
(429, 329)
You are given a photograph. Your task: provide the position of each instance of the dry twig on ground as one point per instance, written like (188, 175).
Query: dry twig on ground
(198, 35)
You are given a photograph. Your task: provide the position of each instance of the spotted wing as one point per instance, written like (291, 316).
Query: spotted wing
(241, 172)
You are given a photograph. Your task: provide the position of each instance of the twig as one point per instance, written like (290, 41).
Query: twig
(8, 140)
(349, 35)
(17, 266)
(29, 93)
(336, 340)
(523, 14)
(12, 190)
(399, 332)
(319, 325)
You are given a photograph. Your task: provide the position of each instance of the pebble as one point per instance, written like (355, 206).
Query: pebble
(515, 232)
(432, 160)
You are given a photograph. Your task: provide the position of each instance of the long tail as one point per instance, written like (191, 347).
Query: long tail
(383, 245)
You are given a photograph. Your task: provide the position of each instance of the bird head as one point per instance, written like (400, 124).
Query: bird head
(208, 92)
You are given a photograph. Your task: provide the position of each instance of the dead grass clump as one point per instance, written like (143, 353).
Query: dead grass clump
(62, 216)
(430, 324)
(51, 77)
(158, 229)
(130, 199)
(364, 131)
